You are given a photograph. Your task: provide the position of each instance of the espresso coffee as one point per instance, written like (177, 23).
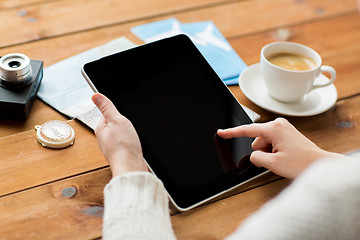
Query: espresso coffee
(291, 61)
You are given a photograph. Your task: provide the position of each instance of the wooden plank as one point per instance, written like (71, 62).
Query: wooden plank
(342, 36)
(218, 220)
(242, 17)
(25, 163)
(69, 45)
(347, 70)
(337, 130)
(68, 209)
(249, 17)
(51, 211)
(39, 114)
(19, 3)
(58, 17)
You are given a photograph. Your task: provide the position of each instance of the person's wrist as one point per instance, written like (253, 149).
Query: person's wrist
(124, 161)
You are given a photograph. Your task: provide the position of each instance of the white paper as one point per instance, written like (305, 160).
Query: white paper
(64, 88)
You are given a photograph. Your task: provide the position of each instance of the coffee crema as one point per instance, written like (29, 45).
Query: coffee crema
(292, 61)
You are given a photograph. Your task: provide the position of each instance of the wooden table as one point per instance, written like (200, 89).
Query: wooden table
(48, 193)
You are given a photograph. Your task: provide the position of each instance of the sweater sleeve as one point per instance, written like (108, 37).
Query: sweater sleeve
(323, 203)
(136, 207)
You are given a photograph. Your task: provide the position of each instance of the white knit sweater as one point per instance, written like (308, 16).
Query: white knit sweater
(322, 203)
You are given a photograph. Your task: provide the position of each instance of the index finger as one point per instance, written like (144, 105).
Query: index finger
(252, 130)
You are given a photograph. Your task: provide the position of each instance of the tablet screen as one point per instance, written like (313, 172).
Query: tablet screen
(176, 103)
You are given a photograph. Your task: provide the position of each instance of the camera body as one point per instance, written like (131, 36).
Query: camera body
(20, 79)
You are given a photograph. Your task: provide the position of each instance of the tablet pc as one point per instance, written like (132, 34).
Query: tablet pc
(176, 103)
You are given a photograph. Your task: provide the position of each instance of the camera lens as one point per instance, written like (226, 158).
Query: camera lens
(15, 70)
(14, 64)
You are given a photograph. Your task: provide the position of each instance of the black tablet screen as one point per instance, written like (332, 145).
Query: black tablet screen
(176, 103)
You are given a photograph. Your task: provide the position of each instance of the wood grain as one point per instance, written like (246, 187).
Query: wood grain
(39, 114)
(337, 130)
(48, 212)
(25, 163)
(218, 220)
(241, 17)
(37, 198)
(328, 36)
(64, 17)
(7, 4)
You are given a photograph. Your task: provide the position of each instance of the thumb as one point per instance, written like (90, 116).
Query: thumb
(105, 106)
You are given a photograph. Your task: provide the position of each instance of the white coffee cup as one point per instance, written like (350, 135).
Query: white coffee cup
(290, 85)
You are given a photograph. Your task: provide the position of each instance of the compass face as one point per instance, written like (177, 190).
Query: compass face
(56, 131)
(55, 134)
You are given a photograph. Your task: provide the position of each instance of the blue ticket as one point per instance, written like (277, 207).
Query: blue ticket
(206, 37)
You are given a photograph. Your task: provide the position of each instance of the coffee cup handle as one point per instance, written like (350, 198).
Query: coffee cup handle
(332, 73)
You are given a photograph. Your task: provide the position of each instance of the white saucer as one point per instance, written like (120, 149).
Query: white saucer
(316, 102)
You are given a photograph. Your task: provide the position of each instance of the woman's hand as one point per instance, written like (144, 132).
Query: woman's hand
(118, 139)
(279, 147)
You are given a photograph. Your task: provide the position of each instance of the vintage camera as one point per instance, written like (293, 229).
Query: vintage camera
(20, 80)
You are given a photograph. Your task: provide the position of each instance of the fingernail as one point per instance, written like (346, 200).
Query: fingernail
(97, 99)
